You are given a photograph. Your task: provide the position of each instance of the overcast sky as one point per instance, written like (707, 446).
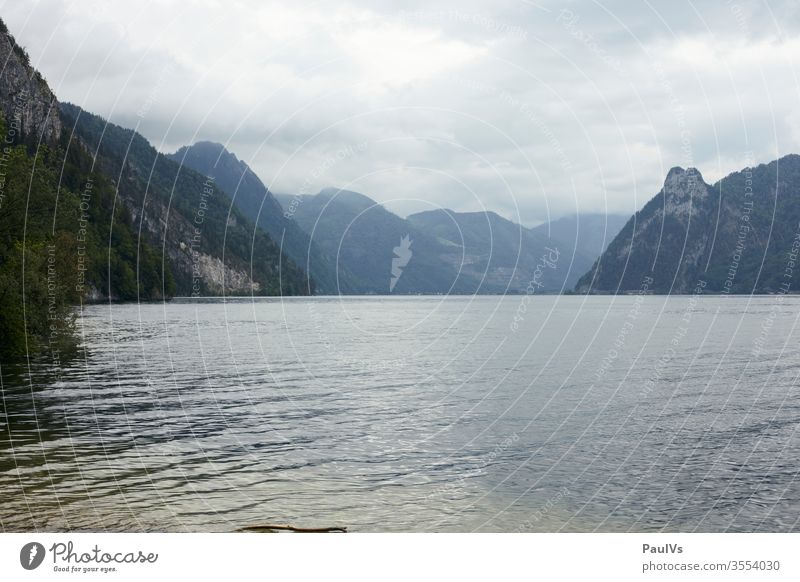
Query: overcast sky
(530, 109)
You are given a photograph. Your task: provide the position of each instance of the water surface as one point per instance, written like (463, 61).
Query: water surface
(412, 414)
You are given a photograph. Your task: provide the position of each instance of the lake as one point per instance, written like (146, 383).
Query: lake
(534, 413)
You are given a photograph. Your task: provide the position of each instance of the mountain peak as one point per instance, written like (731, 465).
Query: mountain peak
(686, 183)
(348, 197)
(211, 152)
(693, 234)
(206, 146)
(675, 171)
(678, 173)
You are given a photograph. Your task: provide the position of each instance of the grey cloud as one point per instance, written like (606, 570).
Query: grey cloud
(551, 107)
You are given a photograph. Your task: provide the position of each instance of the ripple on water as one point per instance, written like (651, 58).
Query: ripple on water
(214, 415)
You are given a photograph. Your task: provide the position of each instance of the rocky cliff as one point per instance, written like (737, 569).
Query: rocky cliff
(26, 101)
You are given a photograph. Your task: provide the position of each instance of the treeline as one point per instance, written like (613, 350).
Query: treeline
(63, 240)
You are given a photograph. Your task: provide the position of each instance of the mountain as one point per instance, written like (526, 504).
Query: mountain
(90, 211)
(362, 237)
(444, 251)
(739, 235)
(589, 234)
(210, 246)
(63, 239)
(257, 203)
(500, 256)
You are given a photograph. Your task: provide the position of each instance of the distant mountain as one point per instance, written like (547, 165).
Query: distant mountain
(740, 235)
(361, 236)
(210, 247)
(500, 256)
(255, 201)
(590, 234)
(446, 252)
(348, 240)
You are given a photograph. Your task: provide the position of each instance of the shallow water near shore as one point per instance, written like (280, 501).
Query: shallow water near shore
(412, 414)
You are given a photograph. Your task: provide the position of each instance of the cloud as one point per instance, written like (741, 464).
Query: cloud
(534, 109)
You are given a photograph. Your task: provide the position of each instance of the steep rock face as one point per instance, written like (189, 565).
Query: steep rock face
(736, 236)
(197, 272)
(684, 190)
(217, 276)
(28, 104)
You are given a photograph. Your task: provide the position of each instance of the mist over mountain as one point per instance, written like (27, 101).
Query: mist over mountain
(730, 237)
(590, 234)
(229, 235)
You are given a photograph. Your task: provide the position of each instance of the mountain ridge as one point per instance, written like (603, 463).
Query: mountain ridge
(210, 245)
(730, 237)
(333, 217)
(251, 196)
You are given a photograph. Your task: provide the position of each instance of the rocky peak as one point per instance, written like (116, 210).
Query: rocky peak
(684, 184)
(27, 103)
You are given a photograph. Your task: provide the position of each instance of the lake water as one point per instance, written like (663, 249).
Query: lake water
(412, 414)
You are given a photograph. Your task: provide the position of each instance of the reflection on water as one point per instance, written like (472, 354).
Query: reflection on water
(411, 414)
